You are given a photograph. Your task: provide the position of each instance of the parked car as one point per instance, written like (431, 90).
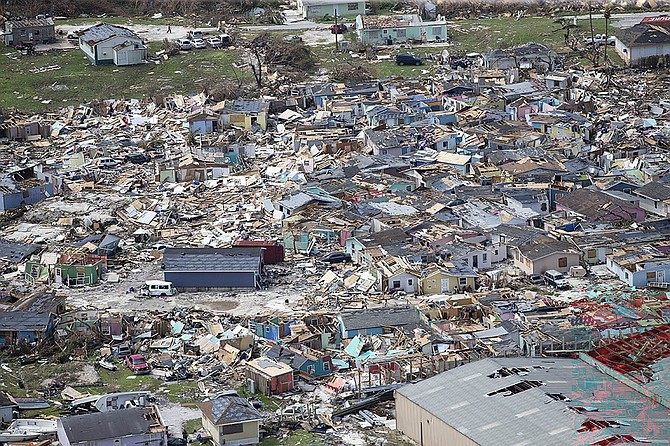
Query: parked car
(336, 257)
(137, 364)
(408, 59)
(199, 44)
(535, 279)
(137, 158)
(106, 162)
(214, 42)
(225, 39)
(195, 34)
(184, 44)
(340, 28)
(293, 39)
(556, 279)
(73, 35)
(123, 351)
(295, 411)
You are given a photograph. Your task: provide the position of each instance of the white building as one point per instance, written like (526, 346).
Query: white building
(111, 44)
(644, 43)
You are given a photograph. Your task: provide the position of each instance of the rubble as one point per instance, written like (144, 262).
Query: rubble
(324, 247)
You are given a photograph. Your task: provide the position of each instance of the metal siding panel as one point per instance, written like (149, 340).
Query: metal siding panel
(210, 280)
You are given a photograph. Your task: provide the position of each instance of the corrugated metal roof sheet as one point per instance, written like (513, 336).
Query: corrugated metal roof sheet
(460, 398)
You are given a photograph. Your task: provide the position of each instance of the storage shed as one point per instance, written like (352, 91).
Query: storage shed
(203, 268)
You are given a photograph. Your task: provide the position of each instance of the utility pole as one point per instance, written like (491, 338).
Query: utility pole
(337, 31)
(607, 14)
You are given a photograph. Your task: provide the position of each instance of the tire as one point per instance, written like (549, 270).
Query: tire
(401, 63)
(163, 295)
(417, 63)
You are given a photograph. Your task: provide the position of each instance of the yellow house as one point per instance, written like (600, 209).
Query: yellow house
(449, 277)
(244, 114)
(231, 420)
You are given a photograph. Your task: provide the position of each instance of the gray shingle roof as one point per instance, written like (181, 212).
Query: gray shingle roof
(404, 316)
(655, 191)
(24, 321)
(104, 31)
(544, 246)
(466, 398)
(16, 252)
(229, 409)
(104, 425)
(212, 259)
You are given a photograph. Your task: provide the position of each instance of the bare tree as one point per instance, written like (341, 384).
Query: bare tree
(271, 52)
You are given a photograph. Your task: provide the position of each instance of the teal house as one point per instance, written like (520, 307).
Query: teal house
(319, 9)
(390, 30)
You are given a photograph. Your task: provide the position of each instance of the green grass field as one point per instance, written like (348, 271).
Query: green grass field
(78, 81)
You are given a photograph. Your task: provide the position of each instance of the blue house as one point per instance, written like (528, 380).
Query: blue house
(273, 329)
(376, 321)
(306, 363)
(18, 188)
(26, 326)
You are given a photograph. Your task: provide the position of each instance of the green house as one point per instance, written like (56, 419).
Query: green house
(390, 30)
(71, 268)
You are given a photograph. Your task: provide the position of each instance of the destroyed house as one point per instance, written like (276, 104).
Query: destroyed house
(30, 31)
(7, 407)
(640, 266)
(231, 420)
(530, 55)
(204, 268)
(127, 427)
(270, 377)
(520, 401)
(378, 321)
(14, 252)
(15, 129)
(273, 329)
(306, 363)
(26, 186)
(243, 114)
(17, 326)
(70, 266)
(111, 44)
(595, 206)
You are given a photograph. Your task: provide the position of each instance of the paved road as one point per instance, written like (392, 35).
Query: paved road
(623, 20)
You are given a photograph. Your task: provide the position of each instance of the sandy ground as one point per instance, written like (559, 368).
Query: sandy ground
(281, 299)
(150, 33)
(175, 416)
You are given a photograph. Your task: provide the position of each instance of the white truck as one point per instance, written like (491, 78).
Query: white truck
(599, 40)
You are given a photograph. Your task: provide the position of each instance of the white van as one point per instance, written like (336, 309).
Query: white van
(157, 288)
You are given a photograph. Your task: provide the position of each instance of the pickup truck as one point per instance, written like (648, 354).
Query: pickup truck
(599, 40)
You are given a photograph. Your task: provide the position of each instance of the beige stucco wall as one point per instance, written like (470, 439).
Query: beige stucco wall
(433, 283)
(251, 431)
(539, 266)
(412, 419)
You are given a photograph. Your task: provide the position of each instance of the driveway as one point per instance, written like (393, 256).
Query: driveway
(149, 33)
